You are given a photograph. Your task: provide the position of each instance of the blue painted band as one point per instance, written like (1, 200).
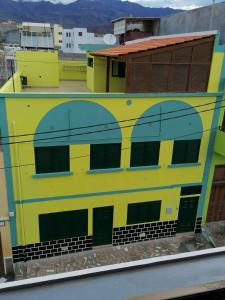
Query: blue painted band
(106, 95)
(209, 158)
(110, 170)
(47, 175)
(8, 172)
(146, 189)
(143, 168)
(185, 165)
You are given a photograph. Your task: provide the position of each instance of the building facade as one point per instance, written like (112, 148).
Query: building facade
(73, 38)
(131, 28)
(89, 169)
(36, 35)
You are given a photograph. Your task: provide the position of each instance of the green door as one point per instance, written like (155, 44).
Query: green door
(187, 214)
(102, 225)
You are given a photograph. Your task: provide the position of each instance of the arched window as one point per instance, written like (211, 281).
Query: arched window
(168, 120)
(75, 122)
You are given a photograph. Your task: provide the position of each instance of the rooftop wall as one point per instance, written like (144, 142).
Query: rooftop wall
(72, 70)
(40, 67)
(201, 19)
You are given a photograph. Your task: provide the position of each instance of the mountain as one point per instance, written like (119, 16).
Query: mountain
(94, 14)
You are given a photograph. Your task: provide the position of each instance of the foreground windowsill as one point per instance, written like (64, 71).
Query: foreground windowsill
(56, 174)
(144, 168)
(97, 171)
(185, 165)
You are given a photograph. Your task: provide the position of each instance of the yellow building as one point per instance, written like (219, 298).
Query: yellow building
(88, 169)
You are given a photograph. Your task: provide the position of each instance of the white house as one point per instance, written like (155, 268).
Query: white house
(73, 38)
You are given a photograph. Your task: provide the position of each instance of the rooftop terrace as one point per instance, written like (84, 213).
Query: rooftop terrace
(75, 86)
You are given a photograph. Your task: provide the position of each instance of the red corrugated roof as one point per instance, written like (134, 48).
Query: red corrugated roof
(148, 45)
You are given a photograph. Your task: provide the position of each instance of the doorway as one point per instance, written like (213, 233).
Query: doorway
(102, 225)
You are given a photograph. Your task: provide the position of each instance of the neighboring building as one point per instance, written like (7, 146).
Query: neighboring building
(58, 31)
(5, 28)
(111, 168)
(10, 56)
(4, 68)
(76, 37)
(132, 28)
(36, 35)
(12, 37)
(204, 18)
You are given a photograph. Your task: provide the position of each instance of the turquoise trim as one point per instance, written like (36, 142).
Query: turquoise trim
(218, 47)
(72, 115)
(222, 77)
(111, 170)
(185, 165)
(143, 168)
(173, 126)
(47, 175)
(72, 197)
(8, 172)
(107, 95)
(209, 159)
(94, 47)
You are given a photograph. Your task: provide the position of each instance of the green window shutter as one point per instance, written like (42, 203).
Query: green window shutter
(186, 151)
(90, 62)
(179, 150)
(192, 152)
(191, 190)
(118, 69)
(145, 154)
(105, 156)
(63, 225)
(52, 159)
(143, 212)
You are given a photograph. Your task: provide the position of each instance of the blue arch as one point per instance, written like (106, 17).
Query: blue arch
(76, 114)
(184, 123)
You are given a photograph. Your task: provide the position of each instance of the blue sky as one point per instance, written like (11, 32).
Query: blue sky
(184, 4)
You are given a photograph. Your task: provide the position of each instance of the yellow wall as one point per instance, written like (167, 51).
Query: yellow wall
(216, 68)
(4, 230)
(99, 75)
(72, 70)
(81, 182)
(8, 87)
(117, 84)
(40, 67)
(170, 198)
(96, 77)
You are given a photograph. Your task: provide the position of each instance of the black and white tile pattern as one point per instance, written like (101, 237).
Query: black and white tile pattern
(52, 248)
(198, 225)
(143, 232)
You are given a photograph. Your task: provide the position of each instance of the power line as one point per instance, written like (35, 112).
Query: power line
(122, 149)
(111, 123)
(109, 129)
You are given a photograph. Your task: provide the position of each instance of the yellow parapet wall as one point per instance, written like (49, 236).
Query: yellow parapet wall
(40, 67)
(13, 85)
(72, 70)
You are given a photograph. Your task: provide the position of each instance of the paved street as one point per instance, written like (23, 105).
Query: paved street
(107, 255)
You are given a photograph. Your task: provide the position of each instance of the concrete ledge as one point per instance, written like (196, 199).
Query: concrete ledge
(109, 269)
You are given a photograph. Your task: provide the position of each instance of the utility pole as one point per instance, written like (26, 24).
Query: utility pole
(12, 73)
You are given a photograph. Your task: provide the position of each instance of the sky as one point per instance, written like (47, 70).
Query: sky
(182, 4)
